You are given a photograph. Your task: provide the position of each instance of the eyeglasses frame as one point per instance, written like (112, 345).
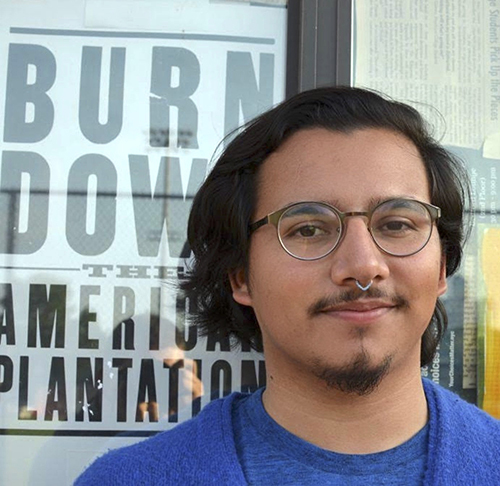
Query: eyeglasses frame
(274, 218)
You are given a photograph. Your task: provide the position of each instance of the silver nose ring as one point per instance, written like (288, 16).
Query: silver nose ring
(364, 289)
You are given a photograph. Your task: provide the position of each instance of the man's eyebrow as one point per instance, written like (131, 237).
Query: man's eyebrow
(372, 202)
(379, 200)
(308, 208)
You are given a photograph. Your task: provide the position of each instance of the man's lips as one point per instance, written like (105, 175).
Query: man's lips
(350, 304)
(359, 306)
(359, 311)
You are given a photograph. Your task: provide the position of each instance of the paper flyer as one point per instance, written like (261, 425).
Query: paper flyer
(444, 59)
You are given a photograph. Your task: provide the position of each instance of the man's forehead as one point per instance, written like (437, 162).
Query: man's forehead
(318, 163)
(305, 143)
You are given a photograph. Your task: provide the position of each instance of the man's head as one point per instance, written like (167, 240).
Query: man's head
(352, 149)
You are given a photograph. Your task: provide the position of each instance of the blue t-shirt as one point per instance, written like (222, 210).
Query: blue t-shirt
(270, 455)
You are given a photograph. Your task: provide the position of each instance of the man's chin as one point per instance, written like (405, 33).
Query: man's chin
(359, 377)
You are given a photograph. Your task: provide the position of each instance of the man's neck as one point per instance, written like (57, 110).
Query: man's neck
(347, 423)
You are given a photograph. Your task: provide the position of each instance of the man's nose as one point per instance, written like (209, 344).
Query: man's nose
(358, 257)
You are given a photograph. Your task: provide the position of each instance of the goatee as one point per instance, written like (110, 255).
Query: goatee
(358, 377)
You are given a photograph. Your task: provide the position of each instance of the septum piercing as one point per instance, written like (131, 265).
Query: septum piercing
(364, 289)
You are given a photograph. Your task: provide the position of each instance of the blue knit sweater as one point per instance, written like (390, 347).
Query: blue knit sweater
(464, 449)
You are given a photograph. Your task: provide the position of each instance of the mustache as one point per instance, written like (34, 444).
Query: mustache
(353, 295)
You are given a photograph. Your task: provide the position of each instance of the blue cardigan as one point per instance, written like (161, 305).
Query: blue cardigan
(464, 449)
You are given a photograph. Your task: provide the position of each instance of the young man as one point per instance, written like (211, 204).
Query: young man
(325, 234)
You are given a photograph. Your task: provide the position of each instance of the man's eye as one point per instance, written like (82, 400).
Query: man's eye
(395, 227)
(309, 231)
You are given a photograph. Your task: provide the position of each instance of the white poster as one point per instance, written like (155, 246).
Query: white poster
(445, 54)
(110, 112)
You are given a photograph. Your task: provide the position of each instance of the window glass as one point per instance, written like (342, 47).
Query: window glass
(446, 55)
(110, 114)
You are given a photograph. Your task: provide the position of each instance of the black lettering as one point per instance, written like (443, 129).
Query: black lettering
(86, 317)
(196, 403)
(97, 270)
(164, 96)
(186, 333)
(13, 195)
(24, 413)
(56, 391)
(133, 271)
(220, 367)
(166, 206)
(123, 365)
(7, 315)
(154, 320)
(217, 338)
(87, 385)
(49, 312)
(6, 374)
(163, 272)
(97, 239)
(147, 387)
(124, 308)
(22, 92)
(249, 382)
(90, 94)
(242, 89)
(173, 366)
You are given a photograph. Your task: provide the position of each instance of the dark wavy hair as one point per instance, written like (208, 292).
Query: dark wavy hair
(223, 208)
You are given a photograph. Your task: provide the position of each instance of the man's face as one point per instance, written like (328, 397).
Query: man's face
(381, 328)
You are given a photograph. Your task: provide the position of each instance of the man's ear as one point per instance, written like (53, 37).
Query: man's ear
(442, 284)
(240, 288)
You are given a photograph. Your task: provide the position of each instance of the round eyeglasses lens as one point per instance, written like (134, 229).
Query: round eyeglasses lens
(401, 227)
(309, 230)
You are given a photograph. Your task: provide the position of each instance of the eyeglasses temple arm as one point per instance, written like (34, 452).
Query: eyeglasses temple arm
(255, 226)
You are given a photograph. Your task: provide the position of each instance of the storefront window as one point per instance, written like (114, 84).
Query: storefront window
(444, 58)
(110, 114)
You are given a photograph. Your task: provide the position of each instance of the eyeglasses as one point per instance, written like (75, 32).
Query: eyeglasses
(312, 230)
